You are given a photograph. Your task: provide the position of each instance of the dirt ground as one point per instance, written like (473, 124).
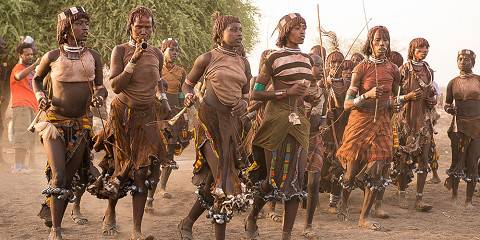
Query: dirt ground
(20, 202)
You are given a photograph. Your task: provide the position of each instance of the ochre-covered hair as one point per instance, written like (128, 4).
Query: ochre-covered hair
(65, 19)
(348, 65)
(169, 42)
(220, 23)
(137, 12)
(367, 48)
(359, 55)
(396, 58)
(335, 55)
(285, 25)
(416, 43)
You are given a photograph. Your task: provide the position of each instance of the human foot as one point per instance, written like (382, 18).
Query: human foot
(149, 205)
(165, 194)
(109, 225)
(55, 234)
(78, 217)
(380, 213)
(309, 233)
(342, 214)
(140, 236)
(275, 217)
(251, 229)
(422, 206)
(434, 180)
(402, 200)
(185, 230)
(374, 226)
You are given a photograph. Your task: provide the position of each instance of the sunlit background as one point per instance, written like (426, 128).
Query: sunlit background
(448, 26)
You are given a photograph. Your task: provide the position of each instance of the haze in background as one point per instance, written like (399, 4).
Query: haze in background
(447, 25)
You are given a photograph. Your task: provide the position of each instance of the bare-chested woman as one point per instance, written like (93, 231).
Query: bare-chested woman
(218, 134)
(177, 136)
(76, 83)
(135, 74)
(463, 102)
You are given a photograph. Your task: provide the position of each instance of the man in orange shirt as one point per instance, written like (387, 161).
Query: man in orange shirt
(24, 105)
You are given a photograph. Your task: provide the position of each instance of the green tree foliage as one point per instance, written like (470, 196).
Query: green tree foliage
(188, 21)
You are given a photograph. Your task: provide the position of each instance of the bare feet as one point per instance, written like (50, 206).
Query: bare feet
(402, 200)
(109, 225)
(275, 217)
(374, 226)
(149, 206)
(140, 236)
(309, 233)
(380, 213)
(469, 206)
(332, 210)
(342, 214)
(422, 206)
(286, 235)
(165, 194)
(185, 230)
(434, 180)
(251, 229)
(77, 216)
(55, 234)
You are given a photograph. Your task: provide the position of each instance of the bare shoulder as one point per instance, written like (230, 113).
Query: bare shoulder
(203, 60)
(52, 55)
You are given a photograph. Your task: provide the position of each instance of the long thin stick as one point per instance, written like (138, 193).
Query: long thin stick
(376, 78)
(334, 133)
(353, 43)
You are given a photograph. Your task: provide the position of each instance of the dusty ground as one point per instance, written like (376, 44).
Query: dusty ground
(21, 198)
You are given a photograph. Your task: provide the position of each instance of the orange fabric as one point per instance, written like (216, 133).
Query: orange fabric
(22, 91)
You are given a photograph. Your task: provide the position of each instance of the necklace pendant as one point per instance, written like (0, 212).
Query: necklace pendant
(294, 119)
(73, 55)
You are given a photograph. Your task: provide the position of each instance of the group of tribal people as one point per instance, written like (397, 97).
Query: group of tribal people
(300, 127)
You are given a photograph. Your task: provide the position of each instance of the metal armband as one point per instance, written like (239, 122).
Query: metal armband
(401, 99)
(358, 101)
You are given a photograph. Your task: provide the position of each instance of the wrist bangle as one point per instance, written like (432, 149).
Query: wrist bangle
(162, 96)
(129, 68)
(401, 99)
(358, 101)
(39, 95)
(279, 94)
(188, 95)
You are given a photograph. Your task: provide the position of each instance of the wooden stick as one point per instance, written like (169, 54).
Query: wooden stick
(334, 133)
(31, 128)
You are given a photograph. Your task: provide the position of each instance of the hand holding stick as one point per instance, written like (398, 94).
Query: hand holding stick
(31, 128)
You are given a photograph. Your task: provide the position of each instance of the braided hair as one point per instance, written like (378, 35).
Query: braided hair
(138, 12)
(169, 42)
(285, 26)
(367, 48)
(416, 43)
(220, 23)
(65, 19)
